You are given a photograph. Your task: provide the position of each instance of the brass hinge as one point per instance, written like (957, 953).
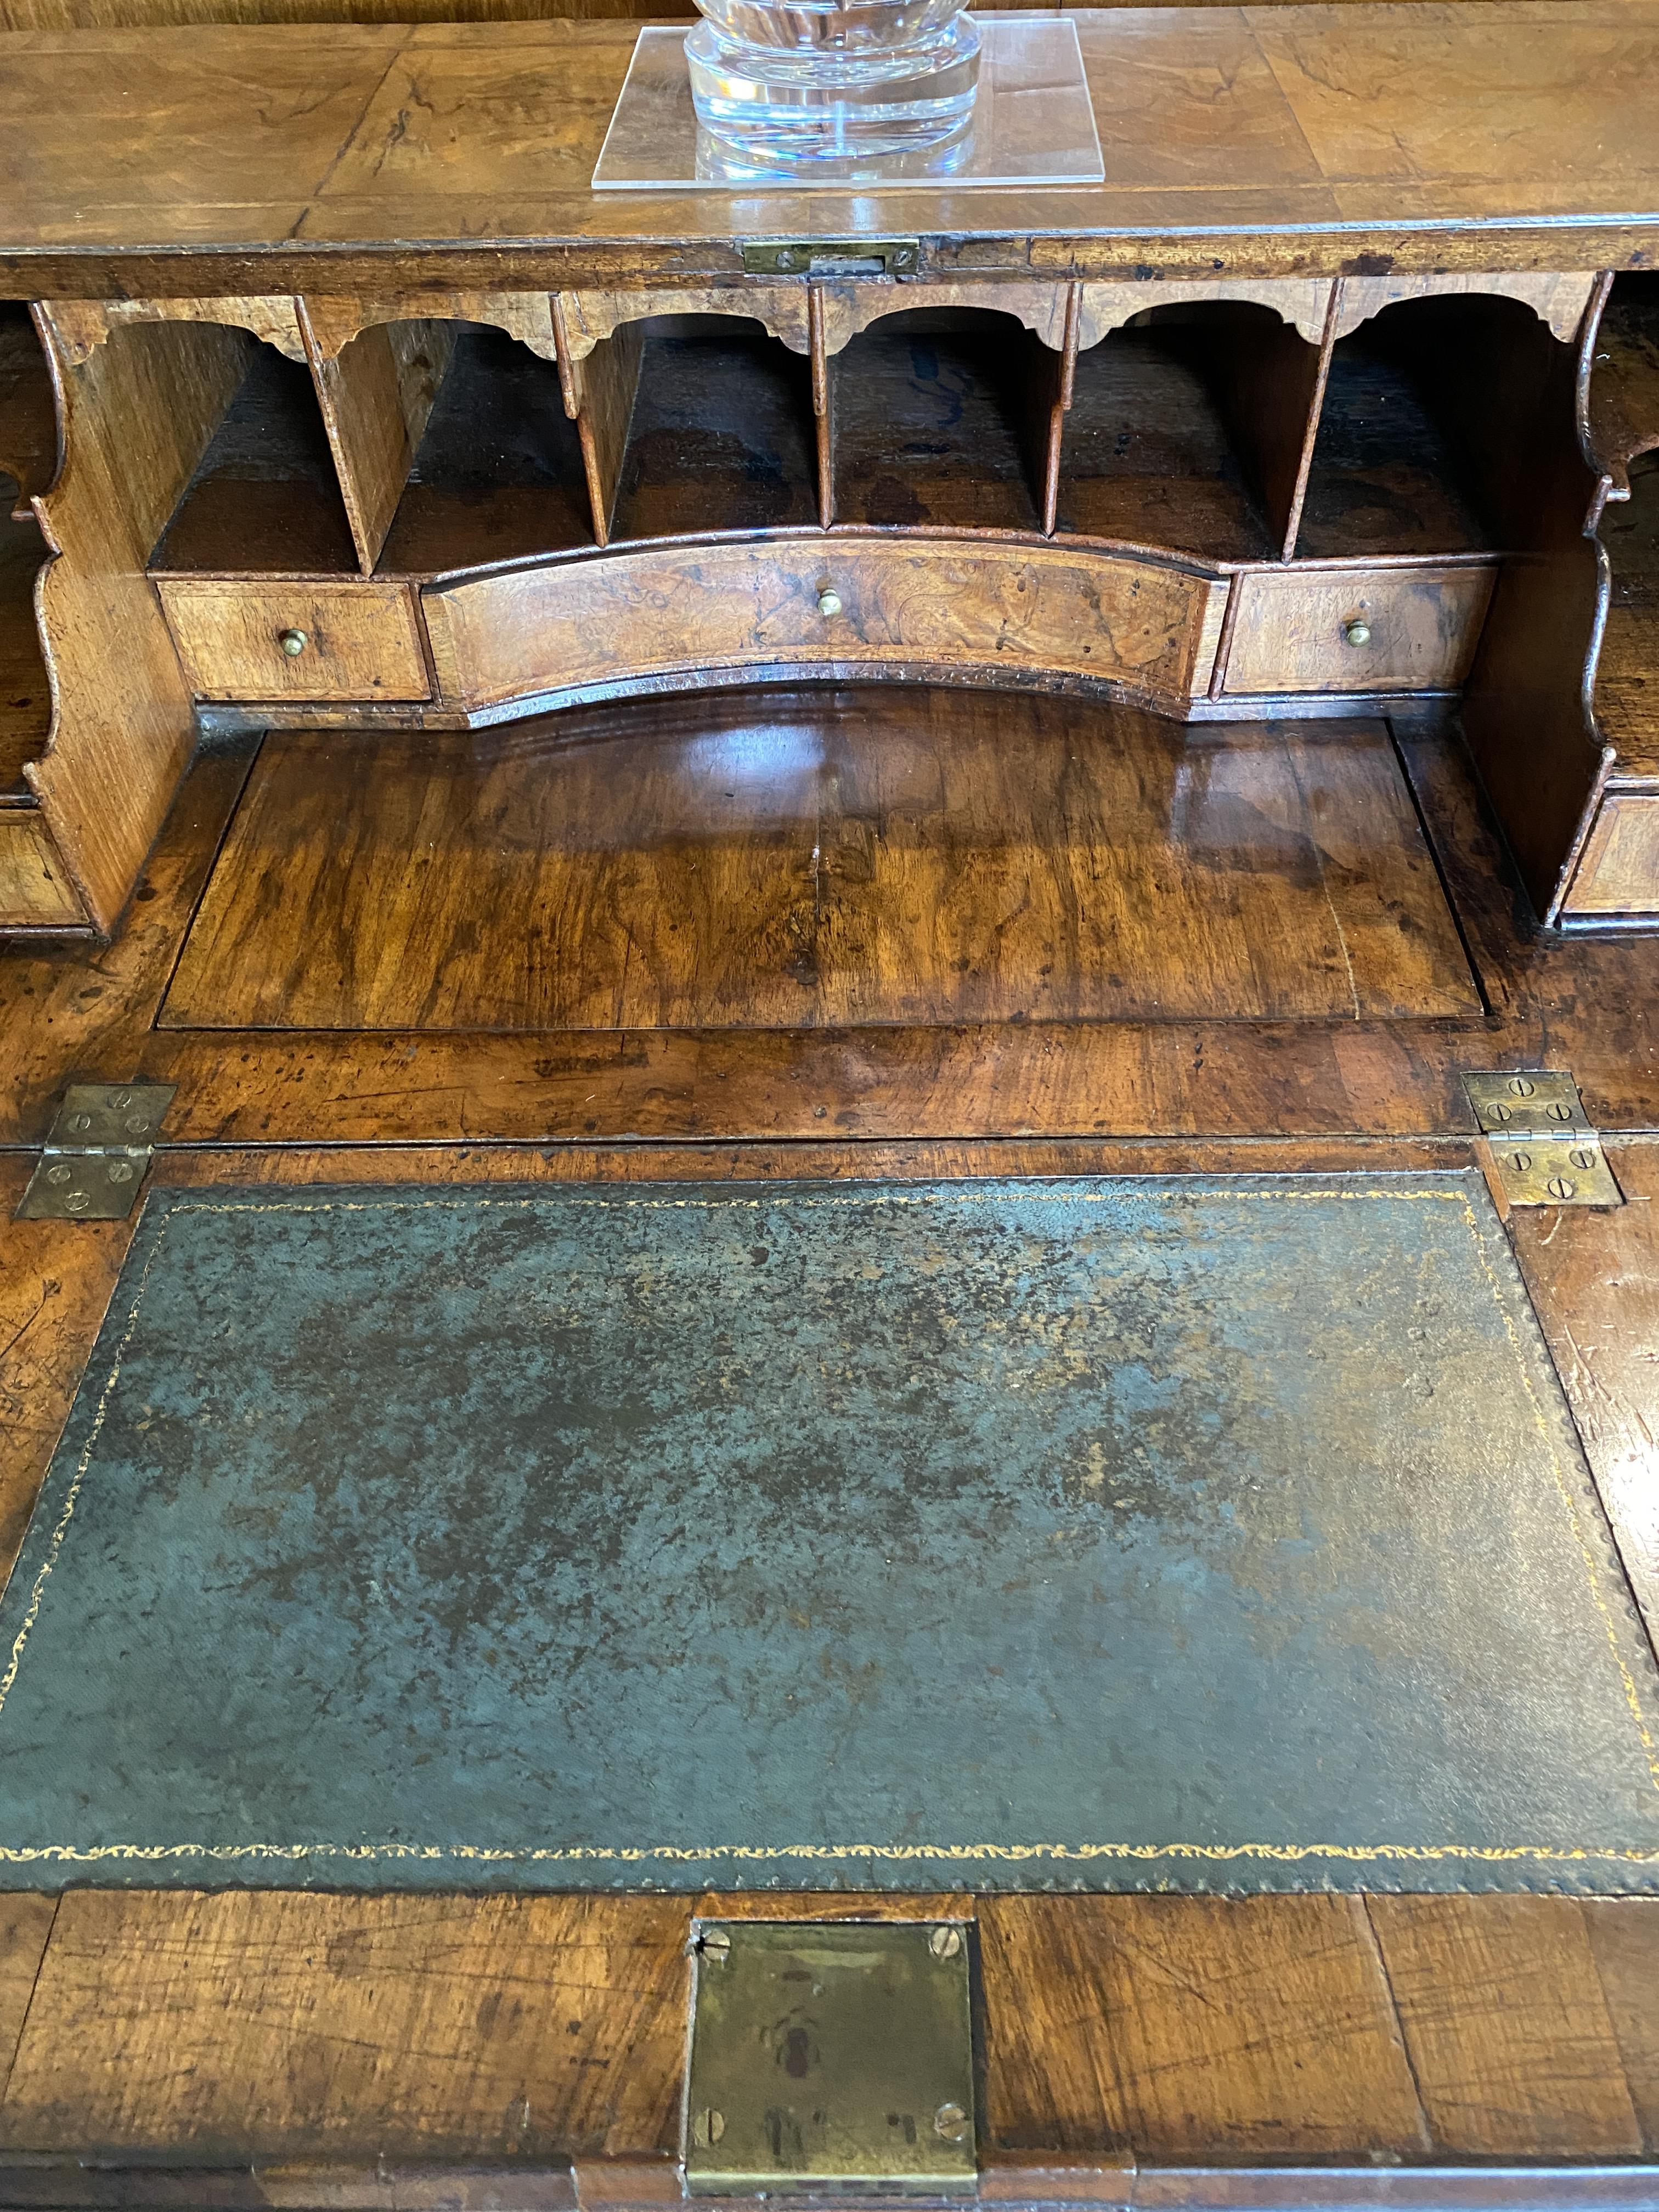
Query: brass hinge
(96, 1152)
(830, 2057)
(831, 257)
(1543, 1148)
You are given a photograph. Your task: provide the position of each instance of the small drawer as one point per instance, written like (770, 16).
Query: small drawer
(1619, 872)
(34, 891)
(1353, 630)
(838, 604)
(277, 641)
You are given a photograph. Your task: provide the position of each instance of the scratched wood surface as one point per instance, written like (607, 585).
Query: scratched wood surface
(88, 1012)
(1313, 134)
(876, 856)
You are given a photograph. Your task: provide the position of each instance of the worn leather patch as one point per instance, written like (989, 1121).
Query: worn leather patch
(1189, 1533)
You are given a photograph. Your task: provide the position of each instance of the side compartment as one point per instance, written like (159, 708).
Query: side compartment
(136, 413)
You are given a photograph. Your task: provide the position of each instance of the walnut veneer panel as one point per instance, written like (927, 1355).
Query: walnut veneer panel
(34, 891)
(1618, 872)
(1291, 631)
(777, 859)
(949, 603)
(1274, 126)
(362, 641)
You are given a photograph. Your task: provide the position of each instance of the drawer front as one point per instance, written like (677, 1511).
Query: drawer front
(358, 640)
(1352, 629)
(34, 891)
(939, 603)
(1618, 872)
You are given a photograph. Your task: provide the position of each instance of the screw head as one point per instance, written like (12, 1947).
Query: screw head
(293, 642)
(951, 2122)
(945, 1943)
(1521, 1086)
(80, 1122)
(59, 1174)
(120, 1170)
(1520, 1161)
(829, 603)
(1558, 1112)
(708, 2127)
(1561, 1187)
(715, 1945)
(1583, 1160)
(1357, 633)
(76, 1202)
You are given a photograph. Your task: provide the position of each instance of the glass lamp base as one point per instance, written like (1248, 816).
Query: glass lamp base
(821, 105)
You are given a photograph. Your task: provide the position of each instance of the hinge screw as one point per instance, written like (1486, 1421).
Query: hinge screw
(715, 1945)
(1561, 1187)
(951, 2122)
(59, 1174)
(945, 1943)
(120, 1170)
(708, 2127)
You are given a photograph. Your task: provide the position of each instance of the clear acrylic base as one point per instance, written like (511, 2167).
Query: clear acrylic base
(1031, 123)
(820, 105)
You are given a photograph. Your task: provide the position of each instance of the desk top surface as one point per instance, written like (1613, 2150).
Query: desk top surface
(1280, 139)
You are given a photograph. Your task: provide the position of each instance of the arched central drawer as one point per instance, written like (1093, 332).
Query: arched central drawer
(1138, 621)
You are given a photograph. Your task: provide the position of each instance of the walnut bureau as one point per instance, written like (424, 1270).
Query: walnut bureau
(330, 394)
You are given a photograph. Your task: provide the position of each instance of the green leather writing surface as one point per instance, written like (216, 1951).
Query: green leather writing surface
(1192, 1533)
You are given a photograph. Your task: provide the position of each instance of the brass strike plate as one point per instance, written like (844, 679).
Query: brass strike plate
(1543, 1146)
(97, 1152)
(831, 257)
(830, 2055)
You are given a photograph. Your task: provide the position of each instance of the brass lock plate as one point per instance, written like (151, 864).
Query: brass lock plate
(830, 2055)
(831, 257)
(1544, 1148)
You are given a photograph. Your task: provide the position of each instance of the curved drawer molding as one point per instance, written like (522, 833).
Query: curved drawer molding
(1145, 626)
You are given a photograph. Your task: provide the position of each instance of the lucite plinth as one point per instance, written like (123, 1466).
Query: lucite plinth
(834, 96)
(1031, 122)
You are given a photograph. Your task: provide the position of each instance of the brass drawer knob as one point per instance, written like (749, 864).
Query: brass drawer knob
(829, 603)
(293, 642)
(1357, 633)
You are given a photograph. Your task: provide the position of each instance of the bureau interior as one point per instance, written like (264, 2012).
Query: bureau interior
(1194, 428)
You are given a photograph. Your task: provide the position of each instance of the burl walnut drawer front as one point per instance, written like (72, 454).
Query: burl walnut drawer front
(938, 604)
(1338, 630)
(297, 640)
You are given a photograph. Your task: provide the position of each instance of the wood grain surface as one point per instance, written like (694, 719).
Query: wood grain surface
(1291, 632)
(1508, 2023)
(35, 890)
(1554, 1001)
(361, 641)
(139, 413)
(1312, 136)
(301, 2025)
(1146, 625)
(895, 857)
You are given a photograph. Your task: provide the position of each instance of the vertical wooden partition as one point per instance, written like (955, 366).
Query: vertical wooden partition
(138, 412)
(378, 388)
